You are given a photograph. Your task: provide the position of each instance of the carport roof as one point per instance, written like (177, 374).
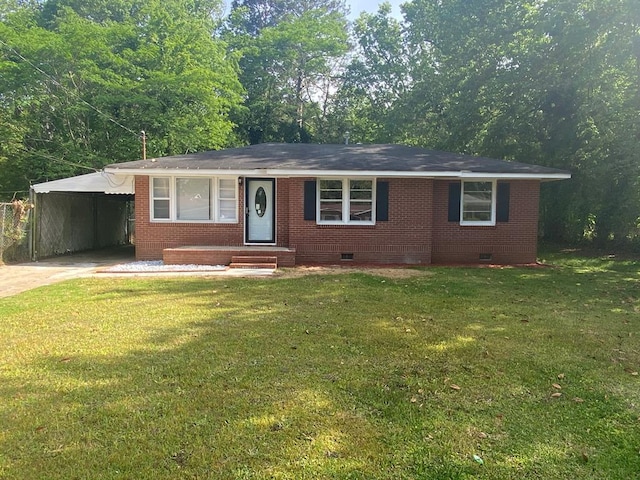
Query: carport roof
(99, 182)
(275, 159)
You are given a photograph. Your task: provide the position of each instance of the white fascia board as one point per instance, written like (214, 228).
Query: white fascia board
(187, 172)
(99, 182)
(358, 173)
(410, 174)
(515, 176)
(275, 172)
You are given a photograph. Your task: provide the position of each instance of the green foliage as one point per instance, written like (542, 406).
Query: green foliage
(286, 61)
(554, 83)
(368, 103)
(82, 79)
(251, 16)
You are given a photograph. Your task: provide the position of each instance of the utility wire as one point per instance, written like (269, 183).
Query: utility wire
(59, 160)
(58, 84)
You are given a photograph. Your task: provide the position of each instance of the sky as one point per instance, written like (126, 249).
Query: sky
(371, 6)
(356, 7)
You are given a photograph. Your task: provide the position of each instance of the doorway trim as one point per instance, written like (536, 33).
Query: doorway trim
(250, 209)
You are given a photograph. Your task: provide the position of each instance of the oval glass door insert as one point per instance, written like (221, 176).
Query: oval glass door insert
(261, 202)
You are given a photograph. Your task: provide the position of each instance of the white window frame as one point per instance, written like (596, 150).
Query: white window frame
(346, 202)
(152, 200)
(494, 188)
(214, 198)
(218, 199)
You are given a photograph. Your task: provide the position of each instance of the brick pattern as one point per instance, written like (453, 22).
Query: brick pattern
(282, 212)
(153, 237)
(405, 238)
(417, 232)
(512, 242)
(204, 256)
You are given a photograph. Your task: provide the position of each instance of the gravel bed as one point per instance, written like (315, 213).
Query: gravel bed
(159, 266)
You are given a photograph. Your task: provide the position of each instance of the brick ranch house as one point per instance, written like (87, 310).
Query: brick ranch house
(303, 203)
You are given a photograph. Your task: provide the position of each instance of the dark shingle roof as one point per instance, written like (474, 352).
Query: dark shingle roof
(323, 158)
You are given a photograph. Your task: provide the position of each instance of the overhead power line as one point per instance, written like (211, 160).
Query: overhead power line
(58, 84)
(59, 160)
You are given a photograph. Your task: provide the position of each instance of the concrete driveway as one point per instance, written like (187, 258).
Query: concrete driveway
(25, 276)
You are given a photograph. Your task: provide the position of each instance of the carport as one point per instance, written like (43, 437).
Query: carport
(81, 213)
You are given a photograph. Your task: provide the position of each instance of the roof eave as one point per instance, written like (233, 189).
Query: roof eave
(276, 172)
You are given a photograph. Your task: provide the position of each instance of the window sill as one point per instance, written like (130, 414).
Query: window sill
(205, 222)
(477, 224)
(343, 224)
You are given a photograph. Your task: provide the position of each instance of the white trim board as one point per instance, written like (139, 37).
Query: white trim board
(99, 182)
(272, 172)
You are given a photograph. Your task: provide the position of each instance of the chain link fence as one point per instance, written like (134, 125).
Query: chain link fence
(14, 230)
(62, 224)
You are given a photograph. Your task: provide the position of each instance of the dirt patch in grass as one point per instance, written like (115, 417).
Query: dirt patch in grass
(387, 272)
(398, 272)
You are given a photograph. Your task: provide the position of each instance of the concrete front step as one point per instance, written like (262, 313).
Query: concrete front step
(253, 261)
(224, 255)
(271, 266)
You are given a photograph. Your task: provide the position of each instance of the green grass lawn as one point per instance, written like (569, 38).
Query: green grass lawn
(447, 373)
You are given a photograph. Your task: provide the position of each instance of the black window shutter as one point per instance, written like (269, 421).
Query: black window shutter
(502, 202)
(455, 190)
(382, 201)
(310, 200)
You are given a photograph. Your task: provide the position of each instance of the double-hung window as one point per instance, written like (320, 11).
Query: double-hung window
(227, 200)
(194, 199)
(478, 203)
(344, 200)
(161, 195)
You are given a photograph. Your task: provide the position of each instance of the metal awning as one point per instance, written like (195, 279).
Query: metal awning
(99, 182)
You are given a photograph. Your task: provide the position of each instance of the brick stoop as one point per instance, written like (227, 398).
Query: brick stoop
(253, 261)
(242, 256)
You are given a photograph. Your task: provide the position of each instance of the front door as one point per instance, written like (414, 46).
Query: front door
(260, 223)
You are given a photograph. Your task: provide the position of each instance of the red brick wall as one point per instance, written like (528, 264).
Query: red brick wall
(282, 212)
(508, 243)
(417, 231)
(405, 238)
(153, 237)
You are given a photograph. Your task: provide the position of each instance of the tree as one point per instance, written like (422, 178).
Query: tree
(553, 83)
(81, 85)
(251, 16)
(284, 61)
(368, 102)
